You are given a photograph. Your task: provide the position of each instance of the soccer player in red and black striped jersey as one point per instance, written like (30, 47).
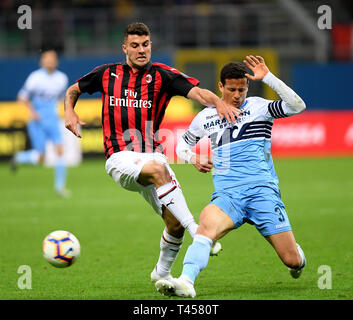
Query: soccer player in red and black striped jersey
(135, 95)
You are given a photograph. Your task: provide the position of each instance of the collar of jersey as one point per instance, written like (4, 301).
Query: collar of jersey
(146, 67)
(243, 105)
(45, 71)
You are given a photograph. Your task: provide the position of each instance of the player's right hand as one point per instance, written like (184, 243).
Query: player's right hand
(202, 163)
(72, 121)
(231, 113)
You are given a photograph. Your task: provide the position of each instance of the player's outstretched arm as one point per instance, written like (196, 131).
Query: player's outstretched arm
(209, 99)
(71, 118)
(261, 72)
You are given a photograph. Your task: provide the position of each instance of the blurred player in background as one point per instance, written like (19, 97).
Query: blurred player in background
(40, 94)
(245, 181)
(135, 94)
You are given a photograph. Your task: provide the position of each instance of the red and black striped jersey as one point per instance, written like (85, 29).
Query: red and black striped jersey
(134, 104)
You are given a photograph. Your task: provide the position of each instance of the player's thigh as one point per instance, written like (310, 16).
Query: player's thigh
(125, 166)
(229, 204)
(37, 136)
(214, 222)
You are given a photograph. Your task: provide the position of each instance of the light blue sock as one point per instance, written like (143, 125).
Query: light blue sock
(196, 257)
(27, 157)
(60, 172)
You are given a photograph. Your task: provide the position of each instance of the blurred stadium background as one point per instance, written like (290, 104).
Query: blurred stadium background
(197, 37)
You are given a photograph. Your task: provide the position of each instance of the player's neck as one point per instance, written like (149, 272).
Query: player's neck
(50, 71)
(135, 68)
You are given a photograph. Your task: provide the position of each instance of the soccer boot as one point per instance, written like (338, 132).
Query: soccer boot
(295, 273)
(63, 193)
(155, 276)
(181, 287)
(215, 249)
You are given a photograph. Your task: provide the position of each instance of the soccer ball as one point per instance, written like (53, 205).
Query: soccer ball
(61, 248)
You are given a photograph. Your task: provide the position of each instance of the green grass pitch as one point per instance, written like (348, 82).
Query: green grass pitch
(119, 235)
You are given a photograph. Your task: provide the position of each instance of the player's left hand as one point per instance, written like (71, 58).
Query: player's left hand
(201, 162)
(257, 66)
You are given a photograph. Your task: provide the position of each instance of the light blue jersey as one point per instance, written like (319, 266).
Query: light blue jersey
(244, 178)
(241, 152)
(44, 90)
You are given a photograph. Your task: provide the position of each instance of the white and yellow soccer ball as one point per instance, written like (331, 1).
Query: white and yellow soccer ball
(61, 248)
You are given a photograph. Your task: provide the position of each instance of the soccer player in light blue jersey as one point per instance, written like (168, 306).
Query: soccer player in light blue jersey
(244, 178)
(40, 94)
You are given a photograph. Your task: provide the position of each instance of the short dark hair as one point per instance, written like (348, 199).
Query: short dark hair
(44, 49)
(138, 28)
(233, 70)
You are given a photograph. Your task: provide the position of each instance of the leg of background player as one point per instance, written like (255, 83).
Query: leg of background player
(60, 172)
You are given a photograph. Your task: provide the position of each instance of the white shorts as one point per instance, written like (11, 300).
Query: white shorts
(125, 167)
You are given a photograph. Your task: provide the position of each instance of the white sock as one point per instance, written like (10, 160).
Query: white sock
(173, 199)
(170, 247)
(301, 253)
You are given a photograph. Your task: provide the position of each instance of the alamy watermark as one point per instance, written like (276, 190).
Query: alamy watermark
(25, 19)
(324, 281)
(325, 19)
(25, 280)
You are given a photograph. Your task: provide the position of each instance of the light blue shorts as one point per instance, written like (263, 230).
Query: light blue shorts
(257, 205)
(41, 131)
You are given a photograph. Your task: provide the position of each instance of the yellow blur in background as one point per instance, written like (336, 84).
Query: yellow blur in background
(15, 115)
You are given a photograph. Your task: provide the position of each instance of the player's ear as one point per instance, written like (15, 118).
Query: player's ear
(220, 86)
(123, 46)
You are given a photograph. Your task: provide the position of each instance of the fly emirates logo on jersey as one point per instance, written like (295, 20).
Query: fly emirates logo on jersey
(129, 101)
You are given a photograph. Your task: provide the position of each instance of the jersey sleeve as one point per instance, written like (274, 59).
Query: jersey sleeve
(194, 133)
(190, 138)
(176, 83)
(92, 81)
(27, 91)
(290, 103)
(278, 109)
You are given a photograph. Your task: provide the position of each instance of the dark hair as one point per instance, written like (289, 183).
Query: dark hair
(138, 28)
(233, 70)
(44, 49)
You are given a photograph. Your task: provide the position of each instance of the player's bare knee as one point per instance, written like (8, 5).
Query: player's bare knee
(292, 260)
(207, 231)
(159, 173)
